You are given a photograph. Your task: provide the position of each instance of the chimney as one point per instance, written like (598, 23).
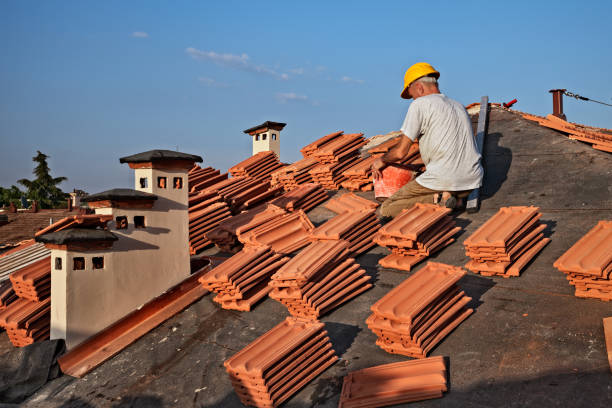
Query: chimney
(558, 102)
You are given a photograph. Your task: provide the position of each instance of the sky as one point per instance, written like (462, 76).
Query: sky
(87, 82)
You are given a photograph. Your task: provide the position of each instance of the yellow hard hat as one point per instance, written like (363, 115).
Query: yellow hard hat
(418, 70)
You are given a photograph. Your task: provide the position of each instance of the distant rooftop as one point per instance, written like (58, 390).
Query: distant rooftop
(120, 194)
(159, 155)
(268, 125)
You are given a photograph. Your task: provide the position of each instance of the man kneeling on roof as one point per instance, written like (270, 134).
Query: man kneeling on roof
(446, 142)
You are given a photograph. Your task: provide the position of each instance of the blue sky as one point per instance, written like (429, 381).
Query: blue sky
(87, 82)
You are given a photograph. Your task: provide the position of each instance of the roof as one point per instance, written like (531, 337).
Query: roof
(267, 124)
(76, 235)
(120, 194)
(19, 259)
(23, 225)
(159, 155)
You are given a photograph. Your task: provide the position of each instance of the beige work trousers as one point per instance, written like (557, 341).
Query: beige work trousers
(409, 195)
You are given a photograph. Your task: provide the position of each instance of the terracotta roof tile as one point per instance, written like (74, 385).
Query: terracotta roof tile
(26, 321)
(285, 233)
(588, 263)
(394, 383)
(305, 197)
(417, 314)
(276, 365)
(260, 166)
(225, 235)
(33, 282)
(356, 228)
(415, 234)
(241, 281)
(350, 202)
(506, 243)
(309, 150)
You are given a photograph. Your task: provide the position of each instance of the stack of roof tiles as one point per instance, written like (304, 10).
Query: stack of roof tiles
(26, 321)
(358, 228)
(415, 234)
(285, 233)
(506, 243)
(330, 176)
(339, 148)
(7, 294)
(275, 366)
(200, 178)
(260, 166)
(588, 263)
(34, 282)
(25, 302)
(225, 235)
(242, 280)
(206, 211)
(305, 198)
(311, 149)
(294, 175)
(418, 313)
(350, 202)
(359, 176)
(318, 279)
(395, 383)
(600, 138)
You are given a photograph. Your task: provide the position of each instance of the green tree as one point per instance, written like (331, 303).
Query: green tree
(44, 188)
(8, 195)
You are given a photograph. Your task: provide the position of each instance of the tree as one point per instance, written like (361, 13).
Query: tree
(8, 195)
(44, 188)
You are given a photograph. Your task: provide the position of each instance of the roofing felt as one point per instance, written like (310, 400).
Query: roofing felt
(159, 155)
(76, 235)
(267, 124)
(120, 194)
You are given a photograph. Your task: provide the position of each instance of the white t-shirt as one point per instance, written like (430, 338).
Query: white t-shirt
(446, 142)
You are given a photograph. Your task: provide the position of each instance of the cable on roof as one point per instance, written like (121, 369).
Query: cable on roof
(583, 98)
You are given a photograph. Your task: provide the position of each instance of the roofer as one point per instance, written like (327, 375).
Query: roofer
(446, 142)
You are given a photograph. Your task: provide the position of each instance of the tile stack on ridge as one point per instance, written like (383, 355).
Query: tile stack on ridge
(358, 228)
(415, 234)
(276, 365)
(206, 211)
(242, 280)
(330, 176)
(311, 149)
(284, 234)
(418, 313)
(305, 197)
(339, 149)
(200, 178)
(588, 263)
(318, 279)
(395, 383)
(26, 321)
(260, 166)
(600, 138)
(34, 281)
(505, 244)
(225, 235)
(349, 202)
(294, 175)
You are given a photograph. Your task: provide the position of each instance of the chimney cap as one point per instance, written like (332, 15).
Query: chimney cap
(265, 126)
(159, 155)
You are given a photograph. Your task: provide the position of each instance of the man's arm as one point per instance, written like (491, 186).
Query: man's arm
(396, 154)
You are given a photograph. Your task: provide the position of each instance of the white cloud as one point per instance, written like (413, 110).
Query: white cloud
(353, 80)
(212, 82)
(297, 71)
(284, 97)
(240, 62)
(140, 34)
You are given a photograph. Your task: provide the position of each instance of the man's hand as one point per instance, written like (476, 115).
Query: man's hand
(377, 166)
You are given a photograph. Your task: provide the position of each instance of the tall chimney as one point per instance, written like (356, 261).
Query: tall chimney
(558, 102)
